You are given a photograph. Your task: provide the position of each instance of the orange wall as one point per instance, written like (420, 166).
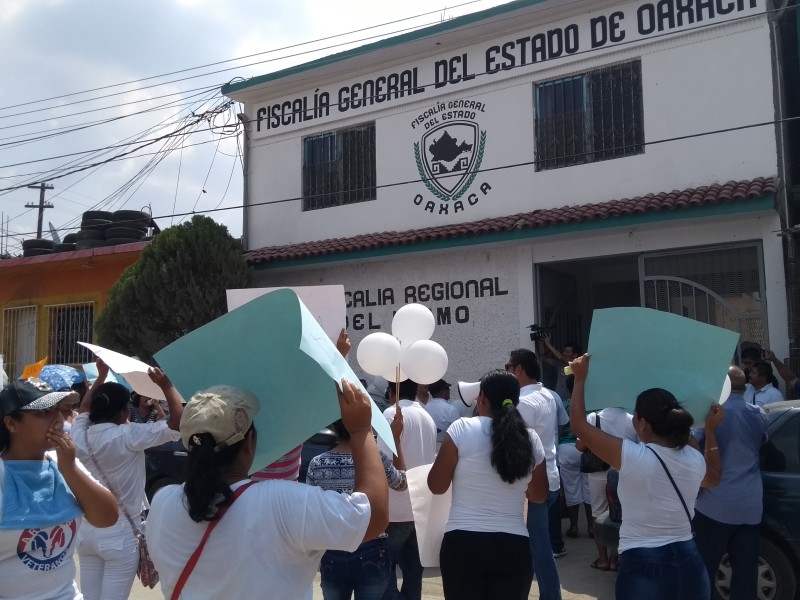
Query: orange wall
(83, 276)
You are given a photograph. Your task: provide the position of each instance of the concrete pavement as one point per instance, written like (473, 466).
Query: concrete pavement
(578, 580)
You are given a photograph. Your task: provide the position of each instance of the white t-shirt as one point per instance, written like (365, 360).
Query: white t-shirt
(418, 442)
(38, 564)
(120, 452)
(482, 501)
(537, 405)
(652, 512)
(268, 544)
(443, 415)
(616, 422)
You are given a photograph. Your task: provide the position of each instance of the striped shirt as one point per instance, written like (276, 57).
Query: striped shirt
(287, 467)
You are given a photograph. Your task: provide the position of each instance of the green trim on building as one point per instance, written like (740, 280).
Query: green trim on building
(764, 203)
(397, 40)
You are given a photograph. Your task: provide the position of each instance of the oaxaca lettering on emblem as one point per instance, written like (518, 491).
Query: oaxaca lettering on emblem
(449, 154)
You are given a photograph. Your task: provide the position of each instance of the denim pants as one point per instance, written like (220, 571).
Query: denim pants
(108, 558)
(364, 572)
(544, 565)
(671, 572)
(405, 553)
(485, 566)
(714, 539)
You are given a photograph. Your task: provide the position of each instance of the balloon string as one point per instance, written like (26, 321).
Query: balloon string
(397, 386)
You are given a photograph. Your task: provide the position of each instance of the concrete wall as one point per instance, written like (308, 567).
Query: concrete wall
(692, 82)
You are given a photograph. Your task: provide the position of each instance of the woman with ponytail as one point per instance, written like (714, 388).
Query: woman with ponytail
(658, 483)
(493, 462)
(113, 451)
(222, 535)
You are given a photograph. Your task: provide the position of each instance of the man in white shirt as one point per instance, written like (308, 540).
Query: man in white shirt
(418, 442)
(538, 407)
(440, 409)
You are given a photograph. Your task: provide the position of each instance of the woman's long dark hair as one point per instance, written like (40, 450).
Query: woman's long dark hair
(204, 472)
(108, 400)
(5, 434)
(666, 416)
(512, 450)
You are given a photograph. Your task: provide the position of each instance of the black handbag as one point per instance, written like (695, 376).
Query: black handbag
(590, 462)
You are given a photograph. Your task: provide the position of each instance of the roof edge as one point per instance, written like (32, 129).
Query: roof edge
(397, 40)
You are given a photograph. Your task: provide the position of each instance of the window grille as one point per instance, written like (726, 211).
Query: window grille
(19, 339)
(590, 117)
(69, 324)
(339, 167)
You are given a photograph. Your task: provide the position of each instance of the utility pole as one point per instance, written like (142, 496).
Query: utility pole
(42, 204)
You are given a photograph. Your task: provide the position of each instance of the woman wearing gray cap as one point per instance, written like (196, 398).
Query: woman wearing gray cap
(44, 495)
(221, 535)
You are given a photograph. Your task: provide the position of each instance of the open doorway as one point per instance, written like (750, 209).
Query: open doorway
(569, 291)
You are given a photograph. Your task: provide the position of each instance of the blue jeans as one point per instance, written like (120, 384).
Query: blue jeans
(365, 572)
(671, 572)
(405, 553)
(740, 542)
(544, 565)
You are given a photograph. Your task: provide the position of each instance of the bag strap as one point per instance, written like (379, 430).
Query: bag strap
(136, 531)
(672, 481)
(187, 570)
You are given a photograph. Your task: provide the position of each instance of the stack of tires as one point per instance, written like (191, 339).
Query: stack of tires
(92, 233)
(127, 227)
(103, 228)
(67, 244)
(37, 247)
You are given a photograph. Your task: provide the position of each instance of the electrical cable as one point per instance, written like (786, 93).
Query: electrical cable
(213, 64)
(492, 169)
(688, 30)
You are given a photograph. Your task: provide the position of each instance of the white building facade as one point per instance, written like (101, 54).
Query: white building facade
(527, 165)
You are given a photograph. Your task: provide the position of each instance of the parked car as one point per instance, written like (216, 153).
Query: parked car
(779, 546)
(164, 465)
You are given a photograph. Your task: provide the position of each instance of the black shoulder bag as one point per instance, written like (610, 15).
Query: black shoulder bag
(590, 462)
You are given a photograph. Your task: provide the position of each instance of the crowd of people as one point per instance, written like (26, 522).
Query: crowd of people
(689, 495)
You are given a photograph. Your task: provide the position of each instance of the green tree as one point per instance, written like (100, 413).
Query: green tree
(176, 286)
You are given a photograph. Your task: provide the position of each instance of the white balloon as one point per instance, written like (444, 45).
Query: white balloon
(411, 323)
(378, 353)
(425, 361)
(392, 374)
(726, 390)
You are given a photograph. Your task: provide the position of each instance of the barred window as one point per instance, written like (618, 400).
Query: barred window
(339, 167)
(69, 324)
(19, 339)
(590, 117)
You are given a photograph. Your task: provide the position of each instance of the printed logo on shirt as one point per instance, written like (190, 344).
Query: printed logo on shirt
(46, 549)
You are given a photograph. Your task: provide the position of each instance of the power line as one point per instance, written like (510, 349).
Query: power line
(213, 64)
(494, 169)
(121, 155)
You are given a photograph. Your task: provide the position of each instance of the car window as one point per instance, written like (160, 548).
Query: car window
(781, 454)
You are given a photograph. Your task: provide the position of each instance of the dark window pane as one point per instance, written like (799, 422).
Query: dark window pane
(590, 117)
(339, 167)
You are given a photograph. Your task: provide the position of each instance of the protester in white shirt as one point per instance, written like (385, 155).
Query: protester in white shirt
(658, 483)
(763, 392)
(44, 496)
(270, 541)
(418, 442)
(538, 407)
(440, 409)
(113, 450)
(493, 462)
